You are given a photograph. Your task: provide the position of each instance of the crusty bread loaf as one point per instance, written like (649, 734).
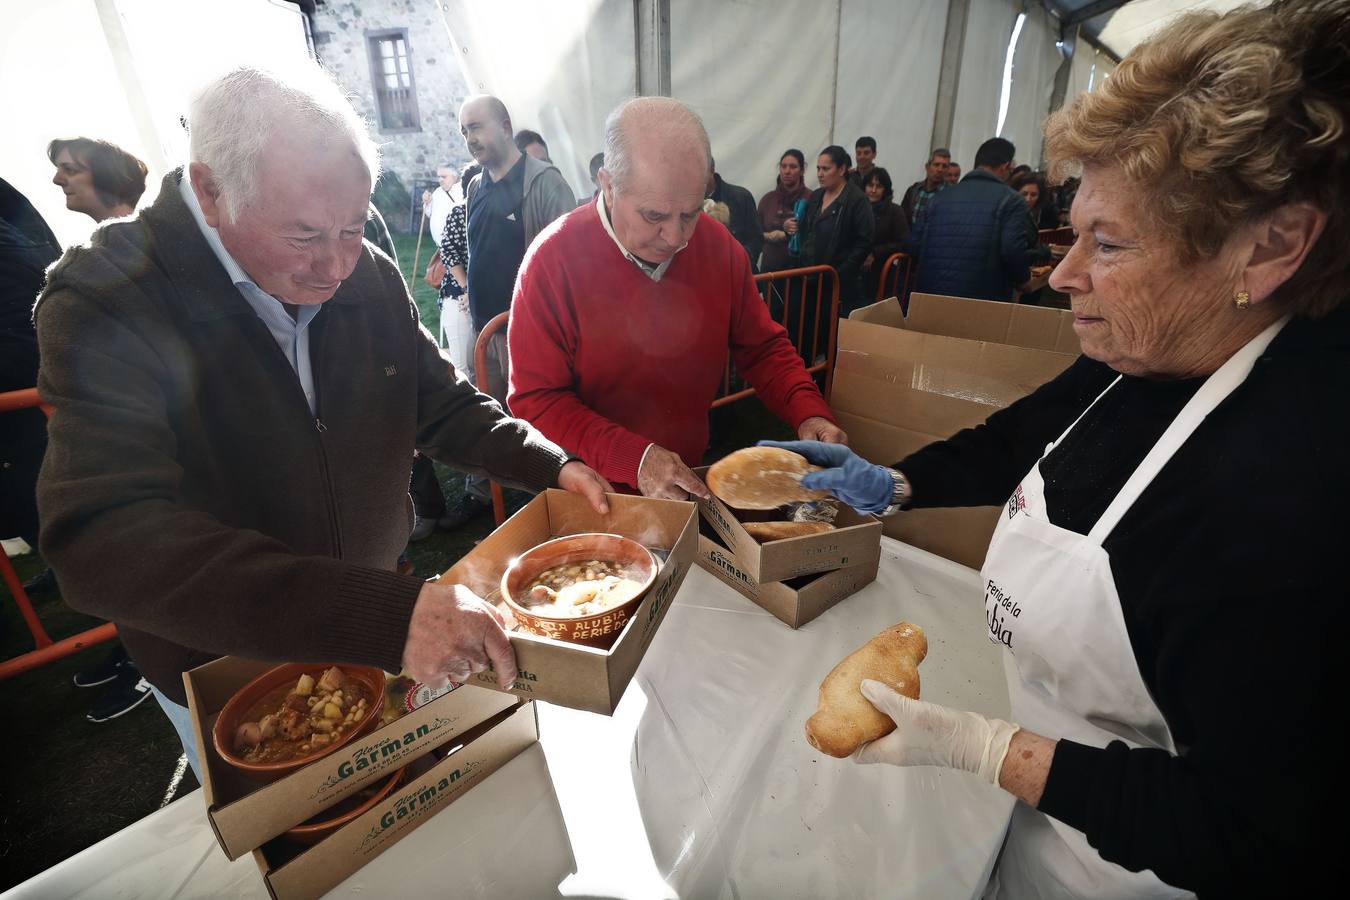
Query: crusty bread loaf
(777, 531)
(844, 719)
(761, 478)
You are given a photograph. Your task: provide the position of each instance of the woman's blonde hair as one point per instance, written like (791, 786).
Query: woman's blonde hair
(1219, 120)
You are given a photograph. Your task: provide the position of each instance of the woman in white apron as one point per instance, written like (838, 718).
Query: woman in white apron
(1164, 576)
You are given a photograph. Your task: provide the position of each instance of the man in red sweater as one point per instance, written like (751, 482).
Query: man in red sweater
(626, 309)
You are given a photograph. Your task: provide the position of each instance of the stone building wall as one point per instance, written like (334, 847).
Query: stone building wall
(340, 29)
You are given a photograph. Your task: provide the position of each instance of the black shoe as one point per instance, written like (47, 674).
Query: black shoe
(114, 664)
(128, 691)
(38, 585)
(467, 509)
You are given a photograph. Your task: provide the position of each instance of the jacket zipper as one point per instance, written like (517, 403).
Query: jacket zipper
(334, 522)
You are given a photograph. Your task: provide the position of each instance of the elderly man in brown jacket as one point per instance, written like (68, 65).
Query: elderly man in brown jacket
(239, 383)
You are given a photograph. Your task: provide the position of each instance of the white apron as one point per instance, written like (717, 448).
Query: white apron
(1051, 602)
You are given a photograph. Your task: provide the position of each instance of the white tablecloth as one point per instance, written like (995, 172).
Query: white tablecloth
(700, 785)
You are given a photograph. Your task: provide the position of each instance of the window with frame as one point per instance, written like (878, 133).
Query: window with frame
(392, 78)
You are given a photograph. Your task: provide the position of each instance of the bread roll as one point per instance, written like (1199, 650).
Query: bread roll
(777, 531)
(761, 478)
(844, 719)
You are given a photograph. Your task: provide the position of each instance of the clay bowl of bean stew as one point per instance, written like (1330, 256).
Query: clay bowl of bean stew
(292, 715)
(342, 812)
(582, 588)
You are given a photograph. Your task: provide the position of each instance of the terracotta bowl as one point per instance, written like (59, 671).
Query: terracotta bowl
(600, 629)
(330, 820)
(222, 734)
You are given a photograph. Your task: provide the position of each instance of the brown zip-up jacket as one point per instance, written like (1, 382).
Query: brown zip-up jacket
(189, 495)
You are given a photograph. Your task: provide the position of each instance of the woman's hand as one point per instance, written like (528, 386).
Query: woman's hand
(867, 263)
(790, 226)
(865, 487)
(927, 734)
(775, 237)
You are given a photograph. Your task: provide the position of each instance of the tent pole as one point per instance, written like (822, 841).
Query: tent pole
(949, 72)
(651, 25)
(834, 91)
(151, 149)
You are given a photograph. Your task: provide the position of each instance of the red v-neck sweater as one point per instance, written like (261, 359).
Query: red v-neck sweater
(605, 361)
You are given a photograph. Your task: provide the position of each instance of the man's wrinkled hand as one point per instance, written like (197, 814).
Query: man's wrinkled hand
(818, 428)
(663, 474)
(927, 734)
(582, 479)
(454, 634)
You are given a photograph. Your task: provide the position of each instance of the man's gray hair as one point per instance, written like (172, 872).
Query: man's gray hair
(666, 120)
(232, 119)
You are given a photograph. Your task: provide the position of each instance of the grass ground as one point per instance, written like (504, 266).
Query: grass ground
(68, 783)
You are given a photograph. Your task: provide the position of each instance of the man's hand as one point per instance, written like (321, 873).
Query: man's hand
(867, 263)
(453, 634)
(582, 479)
(865, 487)
(927, 734)
(818, 428)
(663, 474)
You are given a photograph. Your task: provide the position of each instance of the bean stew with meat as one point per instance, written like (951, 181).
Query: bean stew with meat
(296, 720)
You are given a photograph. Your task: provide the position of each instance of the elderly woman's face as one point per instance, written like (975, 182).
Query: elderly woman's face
(1136, 307)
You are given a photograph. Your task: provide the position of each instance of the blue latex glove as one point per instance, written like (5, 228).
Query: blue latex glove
(862, 485)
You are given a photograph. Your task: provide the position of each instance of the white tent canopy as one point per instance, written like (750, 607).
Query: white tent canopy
(764, 74)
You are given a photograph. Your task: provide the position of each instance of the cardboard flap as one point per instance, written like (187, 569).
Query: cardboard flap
(651, 522)
(1030, 327)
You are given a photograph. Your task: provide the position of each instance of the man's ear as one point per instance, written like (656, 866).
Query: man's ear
(606, 187)
(208, 193)
(1281, 242)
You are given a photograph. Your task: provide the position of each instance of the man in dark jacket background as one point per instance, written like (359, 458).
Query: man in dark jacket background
(744, 226)
(973, 240)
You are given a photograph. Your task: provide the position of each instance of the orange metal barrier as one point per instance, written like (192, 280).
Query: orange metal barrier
(494, 325)
(895, 273)
(45, 649)
(807, 287)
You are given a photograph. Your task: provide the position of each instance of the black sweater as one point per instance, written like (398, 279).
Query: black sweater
(1228, 572)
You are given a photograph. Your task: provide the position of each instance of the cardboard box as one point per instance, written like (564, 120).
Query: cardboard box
(299, 873)
(573, 675)
(901, 383)
(796, 601)
(854, 539)
(245, 813)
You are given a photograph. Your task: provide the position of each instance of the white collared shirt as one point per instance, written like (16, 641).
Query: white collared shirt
(291, 335)
(656, 272)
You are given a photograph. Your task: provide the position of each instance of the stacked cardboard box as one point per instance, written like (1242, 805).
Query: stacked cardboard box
(480, 725)
(795, 579)
(901, 382)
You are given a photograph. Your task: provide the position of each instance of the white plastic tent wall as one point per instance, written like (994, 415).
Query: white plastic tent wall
(121, 70)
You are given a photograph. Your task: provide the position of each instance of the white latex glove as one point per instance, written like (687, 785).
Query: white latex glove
(927, 734)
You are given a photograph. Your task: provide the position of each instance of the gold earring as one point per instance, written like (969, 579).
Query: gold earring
(1242, 299)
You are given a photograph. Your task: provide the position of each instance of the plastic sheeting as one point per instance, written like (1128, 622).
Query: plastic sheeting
(122, 70)
(1035, 62)
(890, 56)
(700, 785)
(761, 76)
(989, 25)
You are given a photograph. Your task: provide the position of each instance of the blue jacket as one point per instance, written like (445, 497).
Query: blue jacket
(973, 240)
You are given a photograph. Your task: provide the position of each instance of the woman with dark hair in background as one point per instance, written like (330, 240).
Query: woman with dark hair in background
(891, 227)
(777, 206)
(99, 178)
(836, 230)
(1040, 199)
